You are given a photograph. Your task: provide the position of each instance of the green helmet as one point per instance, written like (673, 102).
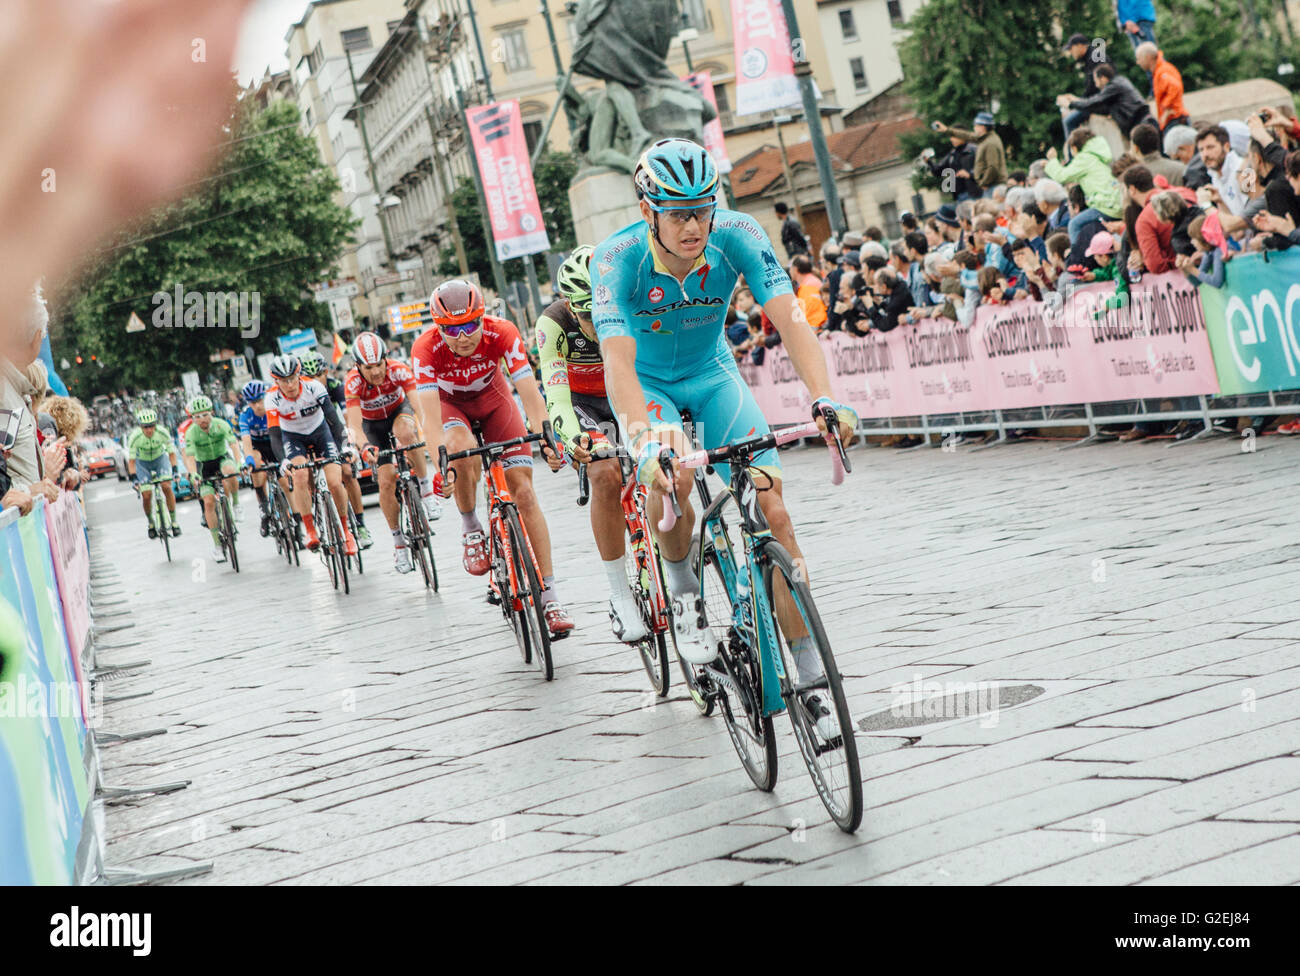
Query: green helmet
(574, 278)
(312, 363)
(200, 404)
(146, 417)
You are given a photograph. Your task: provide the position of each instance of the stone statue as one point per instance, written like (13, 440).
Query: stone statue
(624, 43)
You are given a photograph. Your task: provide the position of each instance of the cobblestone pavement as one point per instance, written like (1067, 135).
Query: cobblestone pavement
(1145, 595)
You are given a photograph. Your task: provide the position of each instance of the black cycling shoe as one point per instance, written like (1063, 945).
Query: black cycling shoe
(153, 533)
(492, 597)
(176, 530)
(266, 527)
(820, 715)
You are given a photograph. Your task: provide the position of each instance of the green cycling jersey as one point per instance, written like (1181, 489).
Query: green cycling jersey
(142, 448)
(209, 445)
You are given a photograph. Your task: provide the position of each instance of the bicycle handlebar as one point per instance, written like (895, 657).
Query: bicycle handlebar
(445, 459)
(391, 451)
(584, 486)
(673, 511)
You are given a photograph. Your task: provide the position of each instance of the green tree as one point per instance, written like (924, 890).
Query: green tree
(551, 176)
(965, 56)
(1206, 46)
(264, 223)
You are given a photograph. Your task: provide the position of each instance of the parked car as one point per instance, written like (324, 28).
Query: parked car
(104, 456)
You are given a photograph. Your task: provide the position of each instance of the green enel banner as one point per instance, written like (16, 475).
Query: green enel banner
(1253, 323)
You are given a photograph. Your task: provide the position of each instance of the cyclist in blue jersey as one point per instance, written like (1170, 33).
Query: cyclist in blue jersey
(660, 293)
(256, 442)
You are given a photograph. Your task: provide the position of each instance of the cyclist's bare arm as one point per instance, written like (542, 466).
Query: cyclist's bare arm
(626, 396)
(531, 397)
(429, 406)
(800, 343)
(355, 428)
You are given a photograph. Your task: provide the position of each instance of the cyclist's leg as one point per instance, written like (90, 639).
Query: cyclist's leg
(458, 437)
(144, 473)
(325, 448)
(208, 496)
(675, 544)
(168, 495)
(376, 432)
(295, 452)
(725, 410)
(231, 471)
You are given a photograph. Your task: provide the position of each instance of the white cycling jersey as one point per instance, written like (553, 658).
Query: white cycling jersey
(301, 415)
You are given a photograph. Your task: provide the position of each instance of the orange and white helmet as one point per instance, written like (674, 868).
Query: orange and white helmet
(455, 302)
(368, 349)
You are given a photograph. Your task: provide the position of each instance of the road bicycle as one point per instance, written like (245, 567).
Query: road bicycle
(162, 516)
(329, 529)
(742, 583)
(645, 574)
(411, 520)
(515, 579)
(280, 515)
(226, 530)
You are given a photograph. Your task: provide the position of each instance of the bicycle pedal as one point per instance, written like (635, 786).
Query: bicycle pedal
(493, 598)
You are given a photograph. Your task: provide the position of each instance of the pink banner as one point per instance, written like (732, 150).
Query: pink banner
(702, 82)
(65, 526)
(1026, 354)
(764, 66)
(502, 154)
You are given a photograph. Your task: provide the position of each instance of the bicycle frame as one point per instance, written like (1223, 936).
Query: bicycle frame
(745, 587)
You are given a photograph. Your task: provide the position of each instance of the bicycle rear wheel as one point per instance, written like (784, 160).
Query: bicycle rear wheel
(532, 616)
(326, 548)
(832, 759)
(417, 535)
(336, 541)
(738, 681)
(352, 527)
(502, 560)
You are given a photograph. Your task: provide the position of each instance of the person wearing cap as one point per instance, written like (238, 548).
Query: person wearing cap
(1117, 98)
(990, 154)
(1102, 251)
(1087, 56)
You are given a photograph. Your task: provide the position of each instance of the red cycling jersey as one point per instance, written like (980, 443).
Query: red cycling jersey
(382, 401)
(438, 368)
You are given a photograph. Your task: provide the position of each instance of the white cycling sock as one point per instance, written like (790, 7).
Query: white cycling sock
(469, 522)
(682, 580)
(426, 485)
(806, 660)
(548, 590)
(616, 575)
(399, 540)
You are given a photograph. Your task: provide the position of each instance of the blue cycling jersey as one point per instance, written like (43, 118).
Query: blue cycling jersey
(251, 425)
(678, 326)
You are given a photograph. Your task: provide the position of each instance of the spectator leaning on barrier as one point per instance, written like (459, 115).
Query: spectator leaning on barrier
(1222, 163)
(25, 465)
(917, 248)
(65, 419)
(792, 235)
(1090, 168)
(990, 155)
(808, 288)
(1152, 234)
(1285, 228)
(1146, 147)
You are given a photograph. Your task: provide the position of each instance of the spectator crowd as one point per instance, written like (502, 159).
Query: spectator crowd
(1184, 195)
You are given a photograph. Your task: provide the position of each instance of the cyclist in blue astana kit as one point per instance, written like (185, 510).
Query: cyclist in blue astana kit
(660, 292)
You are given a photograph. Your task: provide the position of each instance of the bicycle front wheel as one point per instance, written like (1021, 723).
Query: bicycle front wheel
(336, 541)
(737, 674)
(653, 648)
(529, 595)
(817, 708)
(226, 523)
(164, 524)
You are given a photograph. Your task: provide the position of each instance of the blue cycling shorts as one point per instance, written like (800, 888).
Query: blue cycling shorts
(721, 405)
(146, 471)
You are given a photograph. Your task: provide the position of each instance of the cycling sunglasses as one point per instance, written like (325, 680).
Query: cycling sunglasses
(683, 215)
(464, 328)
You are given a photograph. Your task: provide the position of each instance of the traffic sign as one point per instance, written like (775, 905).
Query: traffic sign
(394, 278)
(341, 314)
(133, 324)
(297, 341)
(411, 317)
(326, 291)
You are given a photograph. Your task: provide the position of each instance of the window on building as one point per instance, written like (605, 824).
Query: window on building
(514, 49)
(889, 214)
(723, 99)
(307, 118)
(316, 58)
(302, 70)
(357, 39)
(695, 13)
(896, 13)
(532, 132)
(859, 75)
(847, 27)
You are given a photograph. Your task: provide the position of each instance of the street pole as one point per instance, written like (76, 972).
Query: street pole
(803, 71)
(785, 168)
(478, 42)
(498, 276)
(555, 47)
(370, 159)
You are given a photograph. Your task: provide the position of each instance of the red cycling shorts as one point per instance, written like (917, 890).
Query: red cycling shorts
(497, 415)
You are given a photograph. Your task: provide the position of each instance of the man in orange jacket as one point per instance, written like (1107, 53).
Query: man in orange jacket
(1166, 82)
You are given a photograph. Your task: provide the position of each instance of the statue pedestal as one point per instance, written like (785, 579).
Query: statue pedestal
(602, 201)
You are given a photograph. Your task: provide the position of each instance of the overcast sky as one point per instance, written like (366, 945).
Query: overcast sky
(261, 42)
